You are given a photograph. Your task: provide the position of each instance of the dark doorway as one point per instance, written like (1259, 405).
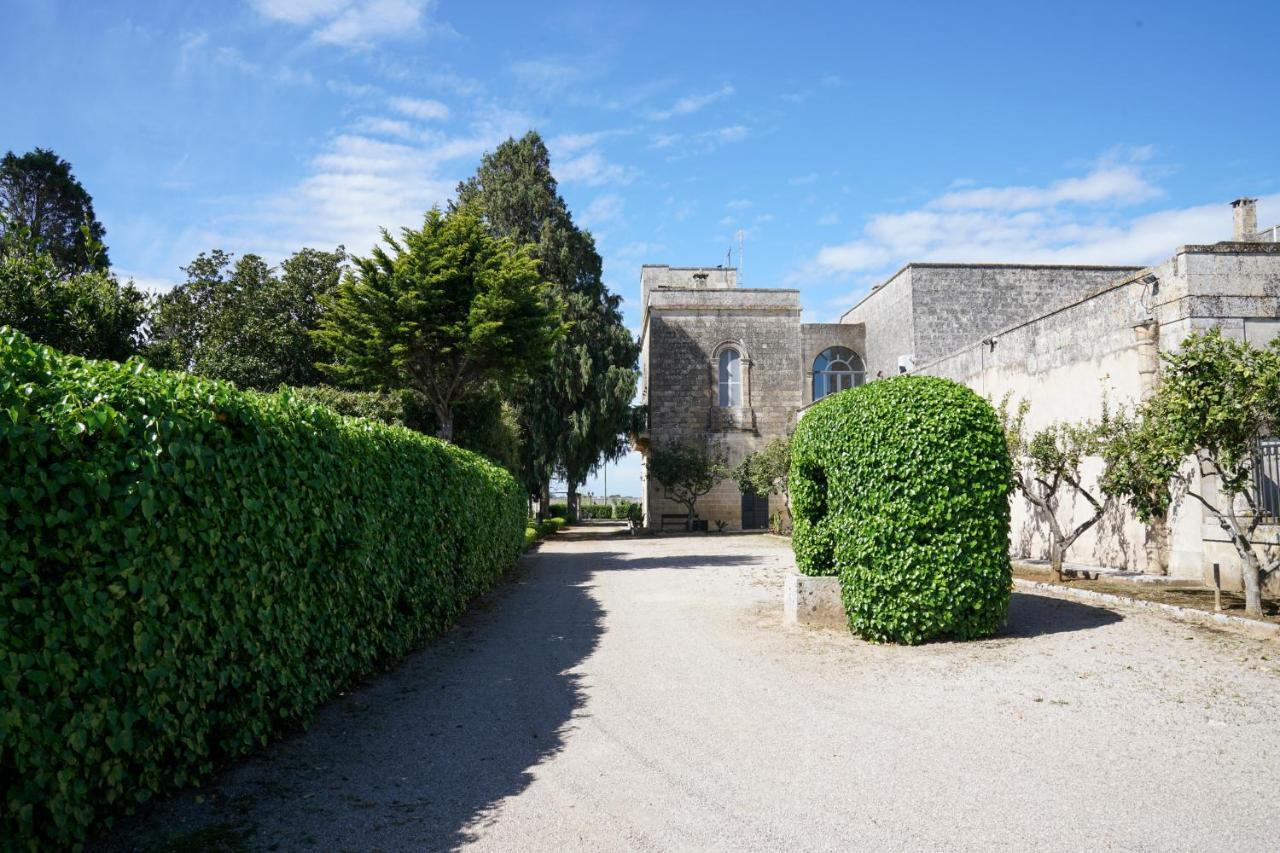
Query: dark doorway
(755, 511)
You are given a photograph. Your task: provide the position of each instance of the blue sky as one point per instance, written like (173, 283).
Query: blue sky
(843, 140)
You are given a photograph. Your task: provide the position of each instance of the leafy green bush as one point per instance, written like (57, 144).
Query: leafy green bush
(530, 537)
(901, 487)
(595, 511)
(186, 570)
(623, 509)
(557, 511)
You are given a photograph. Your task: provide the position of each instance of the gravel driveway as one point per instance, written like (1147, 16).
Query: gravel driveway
(625, 694)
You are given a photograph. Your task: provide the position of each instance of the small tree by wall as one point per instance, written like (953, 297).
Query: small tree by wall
(1045, 465)
(687, 472)
(765, 471)
(1216, 398)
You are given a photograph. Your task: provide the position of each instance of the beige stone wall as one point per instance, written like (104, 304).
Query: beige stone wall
(683, 334)
(1098, 350)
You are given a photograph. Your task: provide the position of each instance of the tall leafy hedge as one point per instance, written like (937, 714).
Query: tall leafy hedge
(901, 488)
(186, 569)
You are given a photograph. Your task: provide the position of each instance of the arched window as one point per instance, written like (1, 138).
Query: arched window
(730, 396)
(835, 369)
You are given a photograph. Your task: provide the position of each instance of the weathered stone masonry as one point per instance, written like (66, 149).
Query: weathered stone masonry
(1068, 339)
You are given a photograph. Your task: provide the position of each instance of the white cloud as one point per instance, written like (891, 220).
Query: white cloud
(299, 11)
(358, 184)
(1075, 220)
(593, 170)
(572, 143)
(1122, 184)
(384, 127)
(603, 209)
(700, 143)
(546, 75)
(691, 104)
(351, 23)
(424, 109)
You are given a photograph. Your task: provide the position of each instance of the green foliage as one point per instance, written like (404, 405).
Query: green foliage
(41, 198)
(246, 322)
(558, 510)
(765, 472)
(625, 510)
(574, 414)
(187, 570)
(595, 511)
(688, 471)
(1216, 397)
(447, 311)
(85, 313)
(901, 488)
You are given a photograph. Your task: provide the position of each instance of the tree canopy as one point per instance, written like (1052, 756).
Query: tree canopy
(573, 414)
(446, 311)
(688, 471)
(90, 313)
(1216, 398)
(40, 195)
(244, 321)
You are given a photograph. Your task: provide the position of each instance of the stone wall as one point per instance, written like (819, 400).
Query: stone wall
(684, 332)
(888, 324)
(1101, 349)
(926, 311)
(816, 337)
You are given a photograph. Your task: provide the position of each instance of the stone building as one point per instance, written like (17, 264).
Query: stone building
(736, 366)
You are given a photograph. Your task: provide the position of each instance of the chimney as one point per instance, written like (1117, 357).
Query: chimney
(1246, 220)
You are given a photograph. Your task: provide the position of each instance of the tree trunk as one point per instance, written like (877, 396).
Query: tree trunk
(544, 501)
(571, 498)
(445, 415)
(1251, 574)
(1056, 554)
(688, 521)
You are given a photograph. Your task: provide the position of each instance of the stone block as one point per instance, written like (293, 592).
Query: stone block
(813, 602)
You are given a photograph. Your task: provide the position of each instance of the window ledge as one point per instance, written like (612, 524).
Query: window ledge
(723, 419)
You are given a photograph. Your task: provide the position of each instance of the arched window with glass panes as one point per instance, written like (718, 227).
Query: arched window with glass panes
(836, 369)
(730, 386)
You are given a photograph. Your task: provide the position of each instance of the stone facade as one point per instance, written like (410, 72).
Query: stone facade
(1102, 349)
(928, 310)
(1067, 339)
(691, 316)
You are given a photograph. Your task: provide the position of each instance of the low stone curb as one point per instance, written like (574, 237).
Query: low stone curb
(815, 601)
(1252, 627)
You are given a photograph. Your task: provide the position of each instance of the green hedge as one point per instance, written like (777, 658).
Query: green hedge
(186, 570)
(901, 487)
(624, 509)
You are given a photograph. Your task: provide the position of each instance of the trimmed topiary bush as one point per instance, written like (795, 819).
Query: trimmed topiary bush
(901, 487)
(187, 570)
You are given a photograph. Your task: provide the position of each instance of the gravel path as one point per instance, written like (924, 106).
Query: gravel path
(643, 694)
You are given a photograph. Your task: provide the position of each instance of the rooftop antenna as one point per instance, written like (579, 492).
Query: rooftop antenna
(742, 238)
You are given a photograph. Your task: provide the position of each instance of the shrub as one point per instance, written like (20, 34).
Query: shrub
(530, 537)
(557, 510)
(186, 570)
(901, 487)
(623, 509)
(588, 511)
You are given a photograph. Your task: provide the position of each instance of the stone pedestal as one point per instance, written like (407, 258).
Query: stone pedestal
(813, 602)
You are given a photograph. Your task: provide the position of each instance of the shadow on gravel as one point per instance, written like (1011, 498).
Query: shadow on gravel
(414, 757)
(616, 562)
(1037, 615)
